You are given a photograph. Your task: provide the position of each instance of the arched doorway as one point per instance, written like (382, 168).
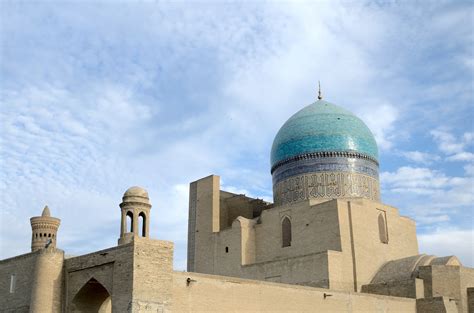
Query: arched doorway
(92, 298)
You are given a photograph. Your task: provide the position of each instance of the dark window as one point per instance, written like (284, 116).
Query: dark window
(142, 223)
(286, 232)
(226, 249)
(130, 221)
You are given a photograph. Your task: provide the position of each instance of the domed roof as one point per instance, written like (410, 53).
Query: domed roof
(136, 191)
(322, 127)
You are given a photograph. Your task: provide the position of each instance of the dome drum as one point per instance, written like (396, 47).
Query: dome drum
(326, 162)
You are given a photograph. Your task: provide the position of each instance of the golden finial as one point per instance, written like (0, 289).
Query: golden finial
(320, 96)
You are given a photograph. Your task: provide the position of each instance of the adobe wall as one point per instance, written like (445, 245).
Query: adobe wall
(204, 220)
(112, 268)
(137, 275)
(349, 226)
(467, 288)
(314, 229)
(208, 293)
(22, 267)
(361, 241)
(152, 275)
(448, 281)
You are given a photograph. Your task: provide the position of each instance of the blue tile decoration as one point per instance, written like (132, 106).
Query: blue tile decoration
(322, 126)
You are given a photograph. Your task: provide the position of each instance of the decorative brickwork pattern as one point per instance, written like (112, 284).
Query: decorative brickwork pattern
(325, 185)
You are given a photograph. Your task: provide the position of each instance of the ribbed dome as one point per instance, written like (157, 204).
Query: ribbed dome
(322, 127)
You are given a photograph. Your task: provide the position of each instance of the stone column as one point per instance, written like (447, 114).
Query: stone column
(135, 223)
(123, 224)
(147, 223)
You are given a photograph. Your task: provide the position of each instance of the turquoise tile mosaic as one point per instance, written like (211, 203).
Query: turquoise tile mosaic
(323, 126)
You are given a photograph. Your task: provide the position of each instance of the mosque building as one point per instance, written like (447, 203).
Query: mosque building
(326, 244)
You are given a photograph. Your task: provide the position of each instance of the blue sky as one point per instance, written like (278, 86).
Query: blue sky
(100, 96)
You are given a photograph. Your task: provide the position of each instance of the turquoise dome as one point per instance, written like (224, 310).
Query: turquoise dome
(323, 127)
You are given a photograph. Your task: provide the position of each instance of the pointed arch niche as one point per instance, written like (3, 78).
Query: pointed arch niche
(129, 226)
(286, 232)
(383, 232)
(92, 297)
(142, 224)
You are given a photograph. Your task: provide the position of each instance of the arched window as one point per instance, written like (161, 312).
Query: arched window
(383, 234)
(286, 232)
(142, 223)
(130, 221)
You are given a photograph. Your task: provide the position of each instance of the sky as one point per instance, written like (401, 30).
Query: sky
(96, 97)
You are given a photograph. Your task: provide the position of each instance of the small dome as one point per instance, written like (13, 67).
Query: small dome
(323, 127)
(136, 191)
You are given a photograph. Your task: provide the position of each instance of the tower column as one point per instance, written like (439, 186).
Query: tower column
(135, 223)
(47, 281)
(147, 225)
(123, 223)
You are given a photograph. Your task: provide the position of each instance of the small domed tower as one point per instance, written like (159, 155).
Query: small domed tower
(135, 215)
(44, 229)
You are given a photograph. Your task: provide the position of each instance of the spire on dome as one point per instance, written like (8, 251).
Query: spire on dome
(320, 96)
(46, 212)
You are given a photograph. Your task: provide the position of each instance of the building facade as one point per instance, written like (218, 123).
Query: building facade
(326, 243)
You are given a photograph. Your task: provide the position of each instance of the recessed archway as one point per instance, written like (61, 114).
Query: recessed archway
(92, 298)
(130, 221)
(142, 224)
(286, 232)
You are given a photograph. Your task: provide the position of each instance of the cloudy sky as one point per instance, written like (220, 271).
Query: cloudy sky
(97, 97)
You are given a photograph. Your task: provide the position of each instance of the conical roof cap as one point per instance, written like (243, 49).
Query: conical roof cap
(46, 212)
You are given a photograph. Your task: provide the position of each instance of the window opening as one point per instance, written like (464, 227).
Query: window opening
(286, 232)
(383, 233)
(142, 223)
(12, 283)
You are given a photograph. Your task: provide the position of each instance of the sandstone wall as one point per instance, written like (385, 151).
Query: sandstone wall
(22, 267)
(362, 241)
(207, 293)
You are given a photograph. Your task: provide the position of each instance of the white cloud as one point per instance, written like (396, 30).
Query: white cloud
(161, 95)
(381, 121)
(444, 191)
(415, 180)
(452, 146)
(449, 241)
(420, 157)
(461, 156)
